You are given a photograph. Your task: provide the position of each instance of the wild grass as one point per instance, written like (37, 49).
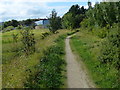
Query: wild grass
(50, 71)
(11, 49)
(88, 47)
(16, 66)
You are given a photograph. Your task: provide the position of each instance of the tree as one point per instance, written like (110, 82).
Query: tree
(28, 41)
(28, 22)
(55, 22)
(68, 21)
(73, 17)
(9, 28)
(89, 5)
(83, 10)
(103, 14)
(75, 9)
(13, 23)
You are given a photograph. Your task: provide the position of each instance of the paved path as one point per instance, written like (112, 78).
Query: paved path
(76, 76)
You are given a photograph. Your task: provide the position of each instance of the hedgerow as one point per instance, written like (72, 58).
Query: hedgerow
(110, 55)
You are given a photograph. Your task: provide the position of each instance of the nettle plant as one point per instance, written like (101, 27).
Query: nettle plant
(28, 41)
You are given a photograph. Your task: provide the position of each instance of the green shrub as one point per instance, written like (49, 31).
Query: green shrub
(1, 28)
(100, 32)
(28, 41)
(110, 52)
(15, 37)
(45, 35)
(84, 23)
(9, 28)
(108, 74)
(73, 32)
(19, 27)
(50, 69)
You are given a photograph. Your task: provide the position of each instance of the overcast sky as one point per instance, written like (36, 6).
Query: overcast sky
(24, 9)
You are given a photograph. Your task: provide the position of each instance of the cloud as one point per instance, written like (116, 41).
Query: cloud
(23, 9)
(19, 9)
(13, 9)
(52, 0)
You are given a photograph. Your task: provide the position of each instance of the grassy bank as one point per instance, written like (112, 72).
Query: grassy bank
(51, 69)
(88, 47)
(16, 68)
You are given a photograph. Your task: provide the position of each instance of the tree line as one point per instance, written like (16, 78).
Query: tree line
(103, 14)
(71, 20)
(15, 23)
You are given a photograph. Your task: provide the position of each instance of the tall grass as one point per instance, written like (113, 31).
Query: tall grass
(12, 49)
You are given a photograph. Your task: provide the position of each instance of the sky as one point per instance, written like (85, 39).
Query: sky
(24, 9)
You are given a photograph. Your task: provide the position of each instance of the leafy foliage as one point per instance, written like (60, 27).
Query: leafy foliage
(111, 49)
(13, 23)
(55, 22)
(20, 24)
(50, 69)
(28, 41)
(19, 27)
(104, 13)
(88, 46)
(73, 17)
(45, 35)
(15, 37)
(73, 32)
(103, 20)
(9, 28)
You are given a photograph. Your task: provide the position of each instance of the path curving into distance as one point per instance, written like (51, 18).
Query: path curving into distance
(76, 76)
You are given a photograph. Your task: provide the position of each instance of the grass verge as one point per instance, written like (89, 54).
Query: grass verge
(88, 47)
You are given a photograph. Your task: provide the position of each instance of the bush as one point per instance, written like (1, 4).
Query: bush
(84, 23)
(50, 69)
(110, 50)
(73, 32)
(9, 28)
(15, 37)
(100, 32)
(110, 53)
(55, 22)
(1, 28)
(28, 41)
(45, 35)
(19, 27)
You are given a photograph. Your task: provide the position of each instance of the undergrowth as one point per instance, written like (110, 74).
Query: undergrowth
(49, 74)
